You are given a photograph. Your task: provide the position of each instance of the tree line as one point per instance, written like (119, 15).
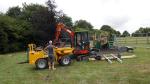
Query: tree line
(35, 23)
(142, 32)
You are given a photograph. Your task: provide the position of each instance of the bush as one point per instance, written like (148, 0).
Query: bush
(11, 33)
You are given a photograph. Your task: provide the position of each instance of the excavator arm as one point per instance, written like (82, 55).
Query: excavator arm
(60, 27)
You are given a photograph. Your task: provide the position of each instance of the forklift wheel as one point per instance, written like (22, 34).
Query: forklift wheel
(64, 61)
(41, 63)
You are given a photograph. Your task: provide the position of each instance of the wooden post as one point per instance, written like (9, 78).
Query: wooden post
(147, 38)
(136, 40)
(95, 36)
(125, 40)
(107, 59)
(118, 59)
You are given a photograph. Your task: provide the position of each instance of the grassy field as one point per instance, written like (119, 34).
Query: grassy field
(132, 71)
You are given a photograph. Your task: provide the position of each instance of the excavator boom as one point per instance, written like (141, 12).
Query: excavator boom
(60, 27)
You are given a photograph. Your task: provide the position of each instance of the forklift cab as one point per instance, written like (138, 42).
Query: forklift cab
(82, 40)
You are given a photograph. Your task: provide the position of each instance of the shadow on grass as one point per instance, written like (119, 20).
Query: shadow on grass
(56, 66)
(23, 62)
(46, 73)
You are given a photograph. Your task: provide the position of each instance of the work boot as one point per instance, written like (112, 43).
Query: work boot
(49, 68)
(53, 68)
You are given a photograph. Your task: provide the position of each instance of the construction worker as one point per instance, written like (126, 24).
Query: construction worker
(51, 57)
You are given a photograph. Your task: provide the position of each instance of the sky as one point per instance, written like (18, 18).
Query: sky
(121, 15)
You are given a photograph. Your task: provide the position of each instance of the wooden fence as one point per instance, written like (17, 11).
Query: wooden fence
(133, 40)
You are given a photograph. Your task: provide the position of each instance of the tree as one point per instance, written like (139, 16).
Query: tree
(3, 40)
(67, 21)
(29, 10)
(142, 31)
(108, 29)
(101, 33)
(33, 24)
(118, 34)
(83, 24)
(14, 12)
(42, 21)
(125, 34)
(11, 34)
(52, 12)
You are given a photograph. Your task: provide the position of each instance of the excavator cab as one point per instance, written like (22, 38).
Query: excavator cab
(81, 40)
(81, 43)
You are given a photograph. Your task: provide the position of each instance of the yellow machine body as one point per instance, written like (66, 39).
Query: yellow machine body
(35, 54)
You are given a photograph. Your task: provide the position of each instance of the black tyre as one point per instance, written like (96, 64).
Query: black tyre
(64, 61)
(59, 61)
(78, 58)
(41, 63)
(98, 57)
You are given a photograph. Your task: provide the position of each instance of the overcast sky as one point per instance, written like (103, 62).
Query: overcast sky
(120, 14)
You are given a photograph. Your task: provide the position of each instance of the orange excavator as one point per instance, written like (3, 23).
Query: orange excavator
(79, 40)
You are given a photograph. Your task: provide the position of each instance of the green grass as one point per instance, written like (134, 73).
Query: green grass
(132, 71)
